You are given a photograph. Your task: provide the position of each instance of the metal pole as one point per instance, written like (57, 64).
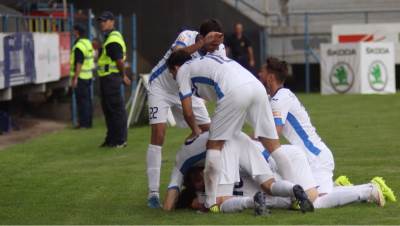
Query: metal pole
(366, 17)
(120, 29)
(306, 53)
(89, 31)
(5, 23)
(120, 24)
(74, 104)
(134, 46)
(16, 24)
(266, 42)
(135, 85)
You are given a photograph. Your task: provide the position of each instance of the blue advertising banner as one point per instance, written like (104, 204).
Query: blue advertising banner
(19, 65)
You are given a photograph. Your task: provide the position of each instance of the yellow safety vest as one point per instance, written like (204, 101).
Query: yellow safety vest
(86, 47)
(106, 65)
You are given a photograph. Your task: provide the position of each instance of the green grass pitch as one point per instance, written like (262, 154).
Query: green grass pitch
(64, 178)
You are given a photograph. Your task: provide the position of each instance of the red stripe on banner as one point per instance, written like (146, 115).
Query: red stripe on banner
(356, 38)
(65, 46)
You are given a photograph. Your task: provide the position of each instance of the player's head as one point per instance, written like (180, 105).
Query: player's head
(211, 25)
(273, 73)
(176, 59)
(106, 21)
(193, 182)
(79, 30)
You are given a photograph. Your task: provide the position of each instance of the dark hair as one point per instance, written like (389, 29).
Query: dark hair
(210, 25)
(178, 58)
(188, 194)
(186, 198)
(278, 67)
(80, 29)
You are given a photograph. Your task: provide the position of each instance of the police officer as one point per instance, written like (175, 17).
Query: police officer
(82, 64)
(112, 75)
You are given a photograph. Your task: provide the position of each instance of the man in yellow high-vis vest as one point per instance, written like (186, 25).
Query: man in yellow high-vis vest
(110, 69)
(81, 66)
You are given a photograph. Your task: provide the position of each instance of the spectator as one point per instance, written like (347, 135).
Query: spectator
(239, 48)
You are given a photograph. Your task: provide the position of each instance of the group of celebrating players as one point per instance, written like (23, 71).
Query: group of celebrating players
(221, 169)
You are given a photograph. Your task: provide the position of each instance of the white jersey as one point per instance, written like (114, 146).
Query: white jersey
(160, 77)
(211, 77)
(297, 128)
(194, 153)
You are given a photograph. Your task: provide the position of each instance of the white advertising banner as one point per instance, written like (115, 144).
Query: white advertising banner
(47, 57)
(377, 32)
(358, 68)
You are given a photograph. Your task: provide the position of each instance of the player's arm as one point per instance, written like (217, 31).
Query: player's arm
(279, 130)
(170, 199)
(190, 49)
(210, 37)
(190, 117)
(185, 94)
(280, 109)
(175, 183)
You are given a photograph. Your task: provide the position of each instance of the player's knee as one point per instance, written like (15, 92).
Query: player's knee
(312, 194)
(266, 185)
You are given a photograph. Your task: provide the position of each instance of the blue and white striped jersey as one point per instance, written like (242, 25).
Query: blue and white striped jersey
(160, 78)
(211, 77)
(297, 128)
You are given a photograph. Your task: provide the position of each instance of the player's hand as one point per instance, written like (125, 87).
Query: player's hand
(74, 82)
(213, 37)
(196, 133)
(127, 81)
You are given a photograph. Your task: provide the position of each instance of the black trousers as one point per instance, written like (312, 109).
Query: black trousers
(113, 109)
(84, 102)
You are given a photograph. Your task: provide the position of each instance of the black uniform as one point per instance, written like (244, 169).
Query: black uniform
(112, 101)
(239, 49)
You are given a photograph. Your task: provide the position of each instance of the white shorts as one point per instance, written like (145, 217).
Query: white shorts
(243, 154)
(225, 190)
(248, 101)
(160, 102)
(322, 169)
(247, 186)
(303, 173)
(252, 161)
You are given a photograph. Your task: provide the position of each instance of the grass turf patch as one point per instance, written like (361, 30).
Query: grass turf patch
(64, 178)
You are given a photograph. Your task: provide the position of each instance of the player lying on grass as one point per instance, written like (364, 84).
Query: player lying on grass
(190, 196)
(240, 151)
(293, 122)
(339, 196)
(239, 96)
(163, 96)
